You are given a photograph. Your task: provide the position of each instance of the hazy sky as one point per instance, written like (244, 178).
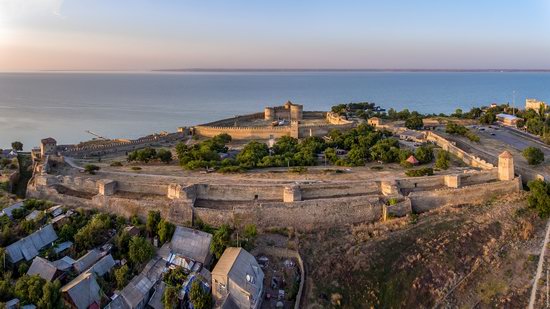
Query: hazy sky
(152, 34)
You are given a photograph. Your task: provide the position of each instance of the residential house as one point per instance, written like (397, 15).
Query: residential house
(82, 292)
(87, 260)
(28, 247)
(237, 280)
(44, 268)
(189, 248)
(8, 210)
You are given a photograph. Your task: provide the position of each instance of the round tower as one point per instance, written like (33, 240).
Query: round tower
(505, 166)
(269, 113)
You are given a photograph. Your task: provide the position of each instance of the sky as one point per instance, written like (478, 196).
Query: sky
(310, 34)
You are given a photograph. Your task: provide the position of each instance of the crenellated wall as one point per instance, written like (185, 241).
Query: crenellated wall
(461, 154)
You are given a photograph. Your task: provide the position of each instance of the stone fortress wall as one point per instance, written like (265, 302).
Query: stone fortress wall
(298, 125)
(303, 206)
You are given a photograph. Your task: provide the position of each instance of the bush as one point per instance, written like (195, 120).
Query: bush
(116, 164)
(414, 123)
(443, 159)
(424, 154)
(230, 169)
(533, 155)
(91, 168)
(425, 171)
(140, 250)
(136, 168)
(539, 197)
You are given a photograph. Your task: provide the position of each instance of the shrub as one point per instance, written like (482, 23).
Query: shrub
(443, 159)
(539, 197)
(414, 123)
(91, 168)
(533, 155)
(425, 171)
(116, 164)
(136, 168)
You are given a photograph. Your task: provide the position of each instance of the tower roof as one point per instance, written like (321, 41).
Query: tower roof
(506, 155)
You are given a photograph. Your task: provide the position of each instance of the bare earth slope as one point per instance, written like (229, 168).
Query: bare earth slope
(472, 256)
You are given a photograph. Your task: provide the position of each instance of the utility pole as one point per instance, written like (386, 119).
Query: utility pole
(514, 102)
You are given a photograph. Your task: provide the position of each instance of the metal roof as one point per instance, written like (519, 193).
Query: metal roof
(156, 299)
(507, 116)
(64, 263)
(28, 247)
(104, 265)
(33, 215)
(62, 246)
(8, 210)
(43, 268)
(191, 244)
(137, 291)
(87, 260)
(83, 290)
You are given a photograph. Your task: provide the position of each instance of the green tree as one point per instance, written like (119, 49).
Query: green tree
(121, 276)
(170, 297)
(539, 197)
(220, 240)
(414, 123)
(140, 250)
(533, 155)
(153, 219)
(18, 146)
(424, 154)
(252, 154)
(51, 296)
(443, 159)
(164, 155)
(165, 230)
(487, 118)
(91, 168)
(200, 298)
(29, 289)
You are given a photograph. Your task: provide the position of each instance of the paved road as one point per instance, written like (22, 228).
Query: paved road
(516, 139)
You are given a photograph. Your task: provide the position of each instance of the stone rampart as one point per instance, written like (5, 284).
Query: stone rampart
(315, 191)
(244, 192)
(461, 154)
(334, 118)
(244, 132)
(428, 200)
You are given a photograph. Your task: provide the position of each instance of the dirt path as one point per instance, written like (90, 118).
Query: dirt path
(533, 297)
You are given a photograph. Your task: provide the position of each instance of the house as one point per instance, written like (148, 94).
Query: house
(103, 266)
(507, 119)
(44, 268)
(82, 292)
(237, 280)
(64, 264)
(156, 299)
(60, 220)
(137, 293)
(55, 210)
(48, 146)
(8, 210)
(35, 214)
(189, 247)
(28, 247)
(534, 104)
(12, 304)
(87, 260)
(62, 246)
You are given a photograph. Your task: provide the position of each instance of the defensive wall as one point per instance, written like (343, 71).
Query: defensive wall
(302, 206)
(469, 159)
(106, 148)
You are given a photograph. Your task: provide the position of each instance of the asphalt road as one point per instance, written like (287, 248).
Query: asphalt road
(512, 138)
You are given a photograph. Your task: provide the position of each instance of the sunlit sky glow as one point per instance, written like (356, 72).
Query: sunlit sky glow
(153, 34)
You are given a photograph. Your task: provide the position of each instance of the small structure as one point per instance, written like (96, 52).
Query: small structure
(44, 268)
(87, 260)
(430, 123)
(412, 160)
(8, 154)
(412, 136)
(534, 104)
(12, 304)
(103, 266)
(64, 264)
(8, 210)
(188, 247)
(33, 215)
(107, 187)
(506, 166)
(507, 119)
(132, 230)
(48, 146)
(55, 210)
(292, 194)
(156, 299)
(237, 280)
(82, 292)
(28, 247)
(375, 121)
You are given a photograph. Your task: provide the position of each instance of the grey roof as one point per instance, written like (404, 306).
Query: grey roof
(8, 210)
(63, 246)
(33, 215)
(117, 303)
(64, 263)
(83, 290)
(59, 218)
(42, 267)
(55, 210)
(164, 251)
(104, 265)
(31, 306)
(12, 303)
(192, 244)
(87, 260)
(28, 247)
(156, 299)
(137, 291)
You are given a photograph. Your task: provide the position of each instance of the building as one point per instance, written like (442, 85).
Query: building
(44, 268)
(82, 292)
(506, 166)
(87, 260)
(103, 266)
(188, 248)
(375, 121)
(534, 104)
(507, 119)
(412, 136)
(28, 247)
(237, 280)
(412, 160)
(48, 146)
(8, 210)
(289, 111)
(137, 293)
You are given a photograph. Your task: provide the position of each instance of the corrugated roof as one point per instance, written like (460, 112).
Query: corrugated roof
(191, 244)
(64, 263)
(43, 268)
(156, 299)
(33, 215)
(63, 246)
(104, 265)
(8, 210)
(137, 291)
(87, 260)
(83, 290)
(28, 247)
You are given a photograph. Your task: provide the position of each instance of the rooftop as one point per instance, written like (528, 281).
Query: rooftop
(42, 267)
(28, 247)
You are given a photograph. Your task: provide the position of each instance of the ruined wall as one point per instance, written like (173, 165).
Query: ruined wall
(428, 200)
(245, 192)
(334, 118)
(479, 177)
(461, 154)
(140, 187)
(244, 132)
(314, 191)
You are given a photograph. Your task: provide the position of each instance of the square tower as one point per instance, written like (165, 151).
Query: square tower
(505, 166)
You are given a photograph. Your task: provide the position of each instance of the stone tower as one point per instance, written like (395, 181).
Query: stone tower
(505, 166)
(269, 113)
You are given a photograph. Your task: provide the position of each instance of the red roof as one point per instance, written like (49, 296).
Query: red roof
(412, 160)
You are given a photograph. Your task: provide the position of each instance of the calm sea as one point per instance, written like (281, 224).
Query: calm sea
(65, 105)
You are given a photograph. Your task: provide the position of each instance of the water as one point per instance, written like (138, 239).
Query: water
(65, 105)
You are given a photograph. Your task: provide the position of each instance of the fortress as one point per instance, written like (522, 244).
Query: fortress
(287, 120)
